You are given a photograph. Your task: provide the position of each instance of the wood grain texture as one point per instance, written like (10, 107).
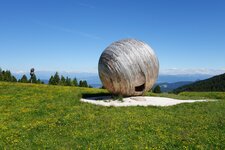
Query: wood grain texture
(128, 67)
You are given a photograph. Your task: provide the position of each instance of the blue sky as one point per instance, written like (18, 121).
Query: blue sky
(66, 35)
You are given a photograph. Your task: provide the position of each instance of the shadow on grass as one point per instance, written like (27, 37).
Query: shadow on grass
(101, 96)
(96, 96)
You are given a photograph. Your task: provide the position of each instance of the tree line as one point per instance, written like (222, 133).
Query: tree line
(6, 75)
(66, 81)
(33, 79)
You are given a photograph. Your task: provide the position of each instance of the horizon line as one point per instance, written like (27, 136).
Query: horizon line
(171, 71)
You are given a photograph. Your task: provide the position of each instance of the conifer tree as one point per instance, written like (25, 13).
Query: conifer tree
(13, 79)
(1, 76)
(74, 82)
(51, 80)
(56, 79)
(157, 89)
(33, 79)
(85, 83)
(7, 76)
(24, 79)
(68, 81)
(62, 80)
(80, 83)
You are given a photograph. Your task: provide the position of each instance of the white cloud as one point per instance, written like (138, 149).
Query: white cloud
(89, 71)
(190, 71)
(20, 72)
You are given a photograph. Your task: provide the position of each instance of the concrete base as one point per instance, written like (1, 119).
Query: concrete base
(137, 101)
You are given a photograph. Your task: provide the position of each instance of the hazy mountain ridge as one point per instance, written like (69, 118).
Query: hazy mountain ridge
(168, 87)
(182, 77)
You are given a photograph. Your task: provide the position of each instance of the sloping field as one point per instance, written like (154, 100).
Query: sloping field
(42, 116)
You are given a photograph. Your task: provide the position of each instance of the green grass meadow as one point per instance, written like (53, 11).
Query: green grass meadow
(52, 117)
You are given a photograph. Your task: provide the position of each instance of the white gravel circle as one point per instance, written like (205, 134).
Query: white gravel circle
(137, 101)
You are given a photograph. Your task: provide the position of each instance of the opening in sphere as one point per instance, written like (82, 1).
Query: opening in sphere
(140, 88)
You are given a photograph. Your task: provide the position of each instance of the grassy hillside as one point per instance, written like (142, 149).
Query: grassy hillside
(42, 116)
(216, 83)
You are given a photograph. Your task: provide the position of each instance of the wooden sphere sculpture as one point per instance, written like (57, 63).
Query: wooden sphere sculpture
(128, 67)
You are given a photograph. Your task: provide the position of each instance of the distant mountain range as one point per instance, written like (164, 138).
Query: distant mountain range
(169, 81)
(216, 83)
(183, 77)
(168, 87)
